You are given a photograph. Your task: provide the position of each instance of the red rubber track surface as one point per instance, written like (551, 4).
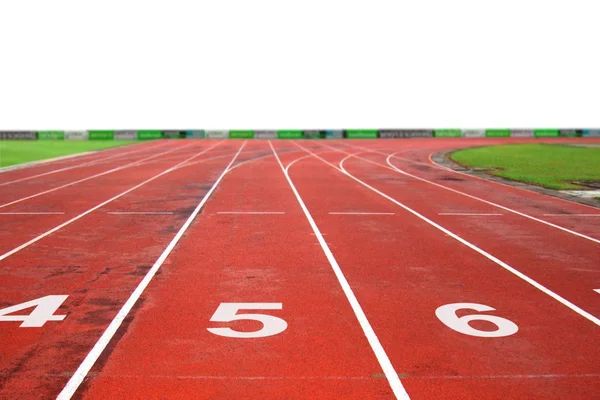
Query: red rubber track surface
(400, 268)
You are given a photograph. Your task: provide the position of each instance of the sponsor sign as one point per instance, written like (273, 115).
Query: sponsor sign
(569, 132)
(76, 135)
(149, 134)
(290, 134)
(497, 133)
(334, 134)
(174, 134)
(447, 133)
(404, 133)
(51, 135)
(235, 134)
(125, 135)
(212, 134)
(591, 132)
(545, 132)
(313, 134)
(194, 134)
(265, 135)
(522, 133)
(473, 133)
(101, 135)
(361, 133)
(17, 135)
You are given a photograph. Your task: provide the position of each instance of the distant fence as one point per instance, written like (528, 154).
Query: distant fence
(130, 134)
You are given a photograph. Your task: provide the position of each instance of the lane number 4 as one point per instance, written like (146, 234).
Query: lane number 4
(44, 310)
(228, 312)
(447, 314)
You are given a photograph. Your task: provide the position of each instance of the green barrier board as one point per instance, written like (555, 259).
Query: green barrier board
(51, 135)
(570, 132)
(241, 134)
(497, 133)
(101, 135)
(149, 134)
(290, 134)
(545, 132)
(447, 133)
(361, 134)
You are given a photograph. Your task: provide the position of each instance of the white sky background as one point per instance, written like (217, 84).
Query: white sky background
(299, 64)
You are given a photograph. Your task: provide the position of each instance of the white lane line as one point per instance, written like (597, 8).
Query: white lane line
(360, 213)
(597, 291)
(484, 253)
(89, 163)
(572, 215)
(470, 214)
(86, 179)
(140, 212)
(89, 361)
(56, 228)
(393, 167)
(31, 213)
(372, 338)
(251, 212)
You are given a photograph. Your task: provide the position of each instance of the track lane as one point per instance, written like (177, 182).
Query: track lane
(417, 161)
(560, 261)
(77, 199)
(402, 270)
(12, 194)
(97, 261)
(244, 258)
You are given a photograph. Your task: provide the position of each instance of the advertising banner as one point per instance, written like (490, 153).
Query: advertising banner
(217, 134)
(265, 135)
(473, 133)
(18, 135)
(101, 135)
(405, 133)
(198, 134)
(76, 135)
(125, 135)
(51, 135)
(521, 133)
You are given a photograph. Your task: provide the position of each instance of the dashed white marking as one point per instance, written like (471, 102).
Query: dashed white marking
(31, 213)
(361, 213)
(89, 361)
(470, 245)
(572, 215)
(252, 212)
(380, 354)
(140, 212)
(470, 214)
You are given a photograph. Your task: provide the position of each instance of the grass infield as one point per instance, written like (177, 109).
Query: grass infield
(14, 152)
(548, 165)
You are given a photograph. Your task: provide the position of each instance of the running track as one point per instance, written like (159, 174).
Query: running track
(363, 260)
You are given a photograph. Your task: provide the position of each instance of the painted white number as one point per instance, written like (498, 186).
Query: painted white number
(447, 314)
(42, 313)
(227, 312)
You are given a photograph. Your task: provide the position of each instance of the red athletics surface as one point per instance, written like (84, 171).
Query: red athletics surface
(399, 267)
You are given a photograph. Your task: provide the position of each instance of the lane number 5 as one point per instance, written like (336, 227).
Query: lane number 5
(227, 312)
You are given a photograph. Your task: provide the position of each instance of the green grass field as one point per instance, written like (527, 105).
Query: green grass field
(548, 165)
(14, 152)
